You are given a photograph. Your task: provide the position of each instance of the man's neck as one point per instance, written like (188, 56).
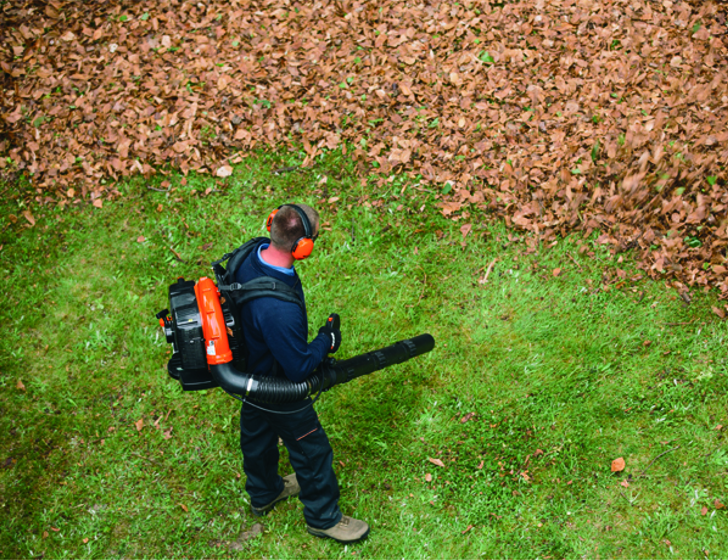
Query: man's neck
(277, 257)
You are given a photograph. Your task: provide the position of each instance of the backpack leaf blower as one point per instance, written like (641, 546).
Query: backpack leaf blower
(204, 329)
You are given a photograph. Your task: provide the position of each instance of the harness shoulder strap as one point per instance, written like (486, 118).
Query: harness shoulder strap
(263, 286)
(226, 275)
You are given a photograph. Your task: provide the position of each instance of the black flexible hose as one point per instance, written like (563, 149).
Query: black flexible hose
(279, 390)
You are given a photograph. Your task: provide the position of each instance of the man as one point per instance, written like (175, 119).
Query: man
(276, 334)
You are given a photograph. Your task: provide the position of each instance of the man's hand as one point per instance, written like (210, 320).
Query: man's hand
(332, 330)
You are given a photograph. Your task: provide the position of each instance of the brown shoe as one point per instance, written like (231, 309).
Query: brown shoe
(290, 488)
(347, 530)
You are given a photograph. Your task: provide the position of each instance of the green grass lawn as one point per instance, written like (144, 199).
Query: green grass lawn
(539, 380)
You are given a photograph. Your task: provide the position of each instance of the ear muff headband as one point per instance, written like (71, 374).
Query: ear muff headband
(303, 247)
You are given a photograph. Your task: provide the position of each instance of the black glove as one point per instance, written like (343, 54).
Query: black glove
(332, 330)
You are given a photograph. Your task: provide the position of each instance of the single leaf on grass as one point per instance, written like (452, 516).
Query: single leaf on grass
(177, 255)
(19, 385)
(465, 230)
(428, 477)
(139, 424)
(718, 311)
(467, 529)
(224, 171)
(718, 505)
(556, 272)
(467, 417)
(28, 216)
(167, 434)
(436, 462)
(618, 464)
(704, 511)
(480, 465)
(184, 507)
(625, 483)
(141, 239)
(85, 540)
(98, 203)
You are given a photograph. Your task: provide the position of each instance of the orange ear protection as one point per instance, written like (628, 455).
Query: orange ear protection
(304, 246)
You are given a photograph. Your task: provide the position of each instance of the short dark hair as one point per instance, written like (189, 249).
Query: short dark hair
(287, 227)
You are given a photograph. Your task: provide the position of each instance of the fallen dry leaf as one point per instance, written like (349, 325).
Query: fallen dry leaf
(184, 507)
(556, 272)
(704, 510)
(428, 477)
(19, 385)
(176, 255)
(436, 462)
(618, 465)
(139, 424)
(141, 239)
(28, 216)
(466, 529)
(625, 483)
(467, 417)
(224, 171)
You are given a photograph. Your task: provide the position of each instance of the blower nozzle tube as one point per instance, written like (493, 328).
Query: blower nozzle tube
(327, 375)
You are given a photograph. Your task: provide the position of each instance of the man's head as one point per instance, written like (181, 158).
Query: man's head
(287, 228)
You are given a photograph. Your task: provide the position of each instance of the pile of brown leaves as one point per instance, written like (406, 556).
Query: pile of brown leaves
(607, 115)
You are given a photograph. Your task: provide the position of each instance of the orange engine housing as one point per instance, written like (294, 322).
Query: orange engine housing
(214, 329)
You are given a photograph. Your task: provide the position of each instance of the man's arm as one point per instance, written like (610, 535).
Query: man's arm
(285, 332)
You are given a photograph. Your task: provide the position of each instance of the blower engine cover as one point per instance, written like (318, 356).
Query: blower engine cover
(184, 330)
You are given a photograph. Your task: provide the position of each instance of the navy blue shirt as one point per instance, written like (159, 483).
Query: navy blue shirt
(276, 330)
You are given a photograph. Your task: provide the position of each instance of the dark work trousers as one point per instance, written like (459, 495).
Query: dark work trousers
(308, 450)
